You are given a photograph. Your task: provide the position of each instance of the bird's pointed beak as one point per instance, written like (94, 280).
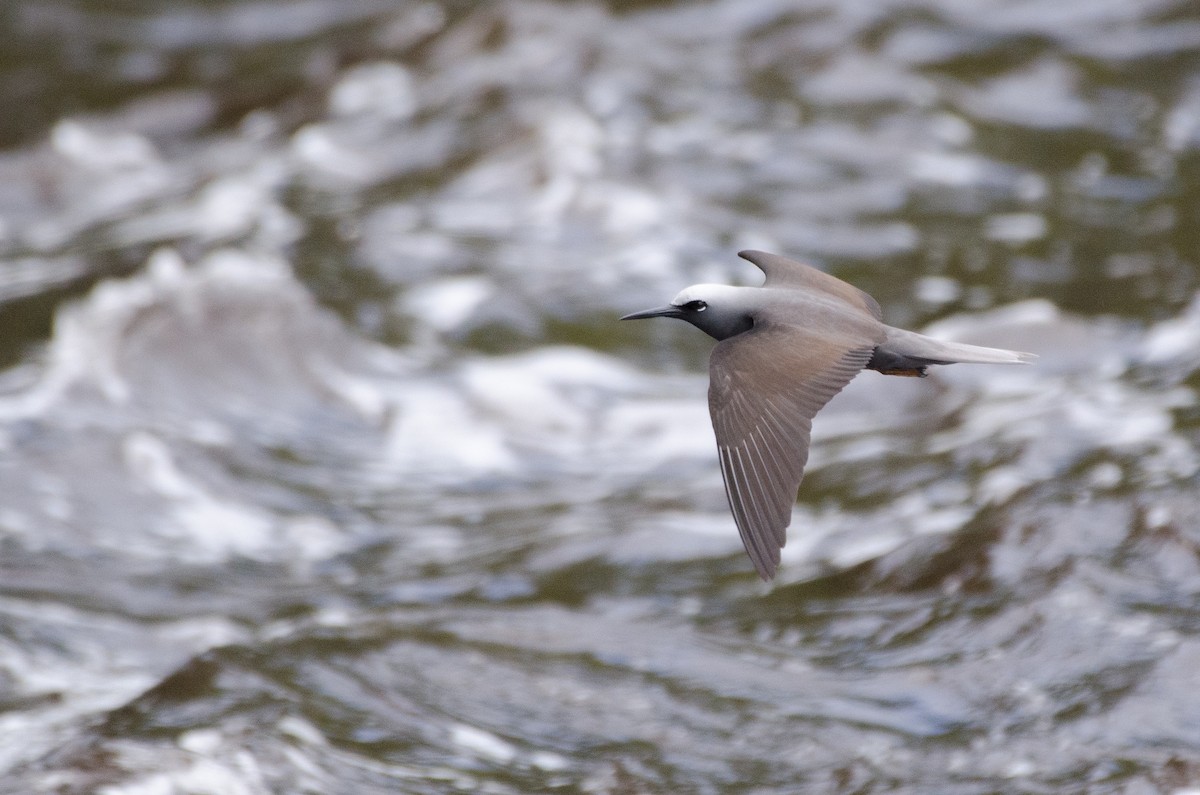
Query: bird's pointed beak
(662, 311)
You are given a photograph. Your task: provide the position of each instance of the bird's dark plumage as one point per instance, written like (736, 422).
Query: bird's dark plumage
(784, 350)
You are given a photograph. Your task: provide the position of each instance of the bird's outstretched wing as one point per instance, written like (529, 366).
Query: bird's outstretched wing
(786, 273)
(765, 387)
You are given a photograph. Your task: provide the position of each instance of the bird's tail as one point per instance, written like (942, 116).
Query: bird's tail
(917, 348)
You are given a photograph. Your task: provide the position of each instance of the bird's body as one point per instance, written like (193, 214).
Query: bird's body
(784, 350)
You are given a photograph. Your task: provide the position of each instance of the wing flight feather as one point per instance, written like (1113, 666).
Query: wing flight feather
(765, 387)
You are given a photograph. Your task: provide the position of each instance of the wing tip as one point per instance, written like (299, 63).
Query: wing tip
(755, 256)
(766, 570)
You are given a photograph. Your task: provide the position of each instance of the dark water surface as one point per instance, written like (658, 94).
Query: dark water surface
(325, 467)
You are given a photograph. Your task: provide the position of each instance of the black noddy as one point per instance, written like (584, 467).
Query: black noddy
(784, 350)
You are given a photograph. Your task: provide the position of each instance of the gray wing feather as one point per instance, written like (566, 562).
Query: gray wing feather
(789, 274)
(766, 385)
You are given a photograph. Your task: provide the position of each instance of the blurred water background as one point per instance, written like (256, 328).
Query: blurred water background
(325, 467)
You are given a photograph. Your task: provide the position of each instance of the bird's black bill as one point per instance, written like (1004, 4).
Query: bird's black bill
(662, 311)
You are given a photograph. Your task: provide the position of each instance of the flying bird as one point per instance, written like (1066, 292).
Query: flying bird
(784, 350)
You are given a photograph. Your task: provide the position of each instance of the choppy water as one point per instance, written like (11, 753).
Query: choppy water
(325, 467)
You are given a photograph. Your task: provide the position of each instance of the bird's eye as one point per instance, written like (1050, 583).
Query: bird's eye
(695, 306)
